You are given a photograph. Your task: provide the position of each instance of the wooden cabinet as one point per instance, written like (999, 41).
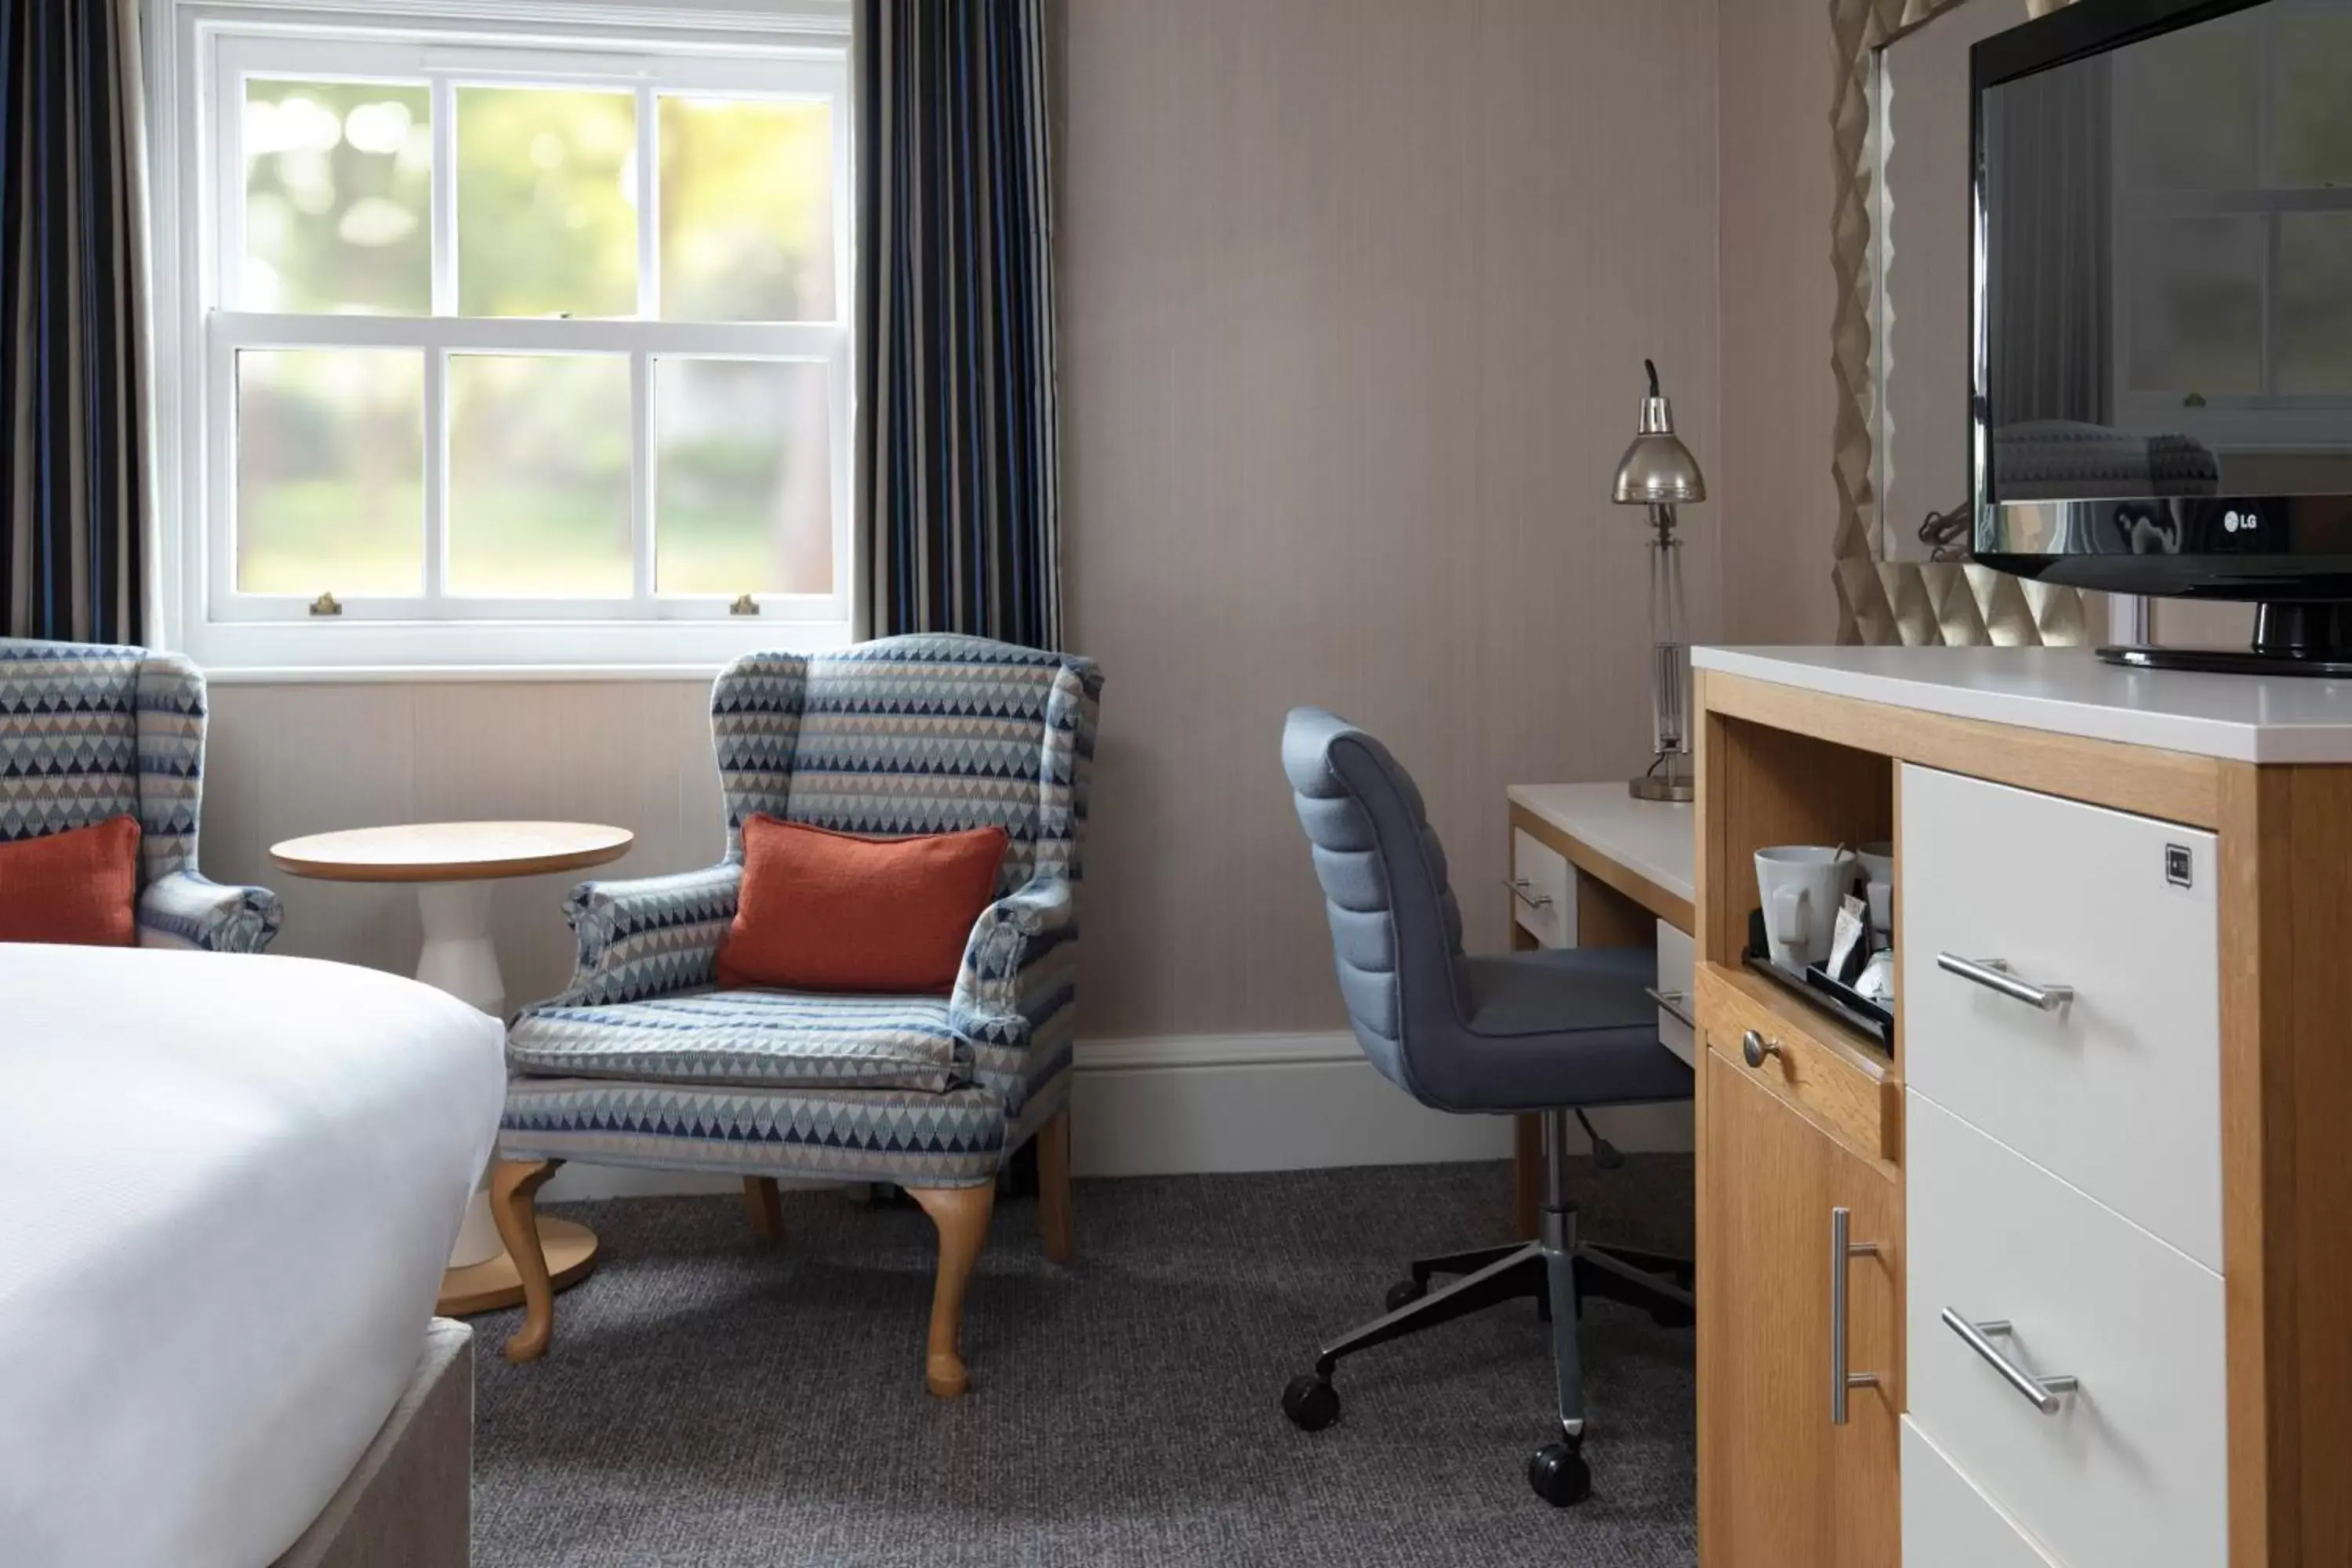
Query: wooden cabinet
(1779, 1483)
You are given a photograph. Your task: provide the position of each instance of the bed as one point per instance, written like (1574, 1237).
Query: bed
(230, 1184)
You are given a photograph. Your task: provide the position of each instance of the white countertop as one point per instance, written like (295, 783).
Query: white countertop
(1657, 840)
(2242, 718)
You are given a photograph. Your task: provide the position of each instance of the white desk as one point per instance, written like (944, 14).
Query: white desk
(1612, 836)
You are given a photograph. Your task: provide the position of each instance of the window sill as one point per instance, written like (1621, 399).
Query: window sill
(451, 674)
(359, 651)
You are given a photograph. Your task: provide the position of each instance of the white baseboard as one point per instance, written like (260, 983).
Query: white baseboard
(1195, 1104)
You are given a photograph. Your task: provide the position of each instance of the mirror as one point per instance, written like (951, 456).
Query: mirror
(1918, 153)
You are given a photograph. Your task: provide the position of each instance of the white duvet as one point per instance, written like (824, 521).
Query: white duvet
(227, 1188)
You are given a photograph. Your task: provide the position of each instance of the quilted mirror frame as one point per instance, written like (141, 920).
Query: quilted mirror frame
(1872, 593)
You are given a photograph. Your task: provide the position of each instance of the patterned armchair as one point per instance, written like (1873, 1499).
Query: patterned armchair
(641, 1062)
(89, 732)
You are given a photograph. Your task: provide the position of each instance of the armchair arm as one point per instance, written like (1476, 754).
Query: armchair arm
(1018, 979)
(182, 908)
(648, 936)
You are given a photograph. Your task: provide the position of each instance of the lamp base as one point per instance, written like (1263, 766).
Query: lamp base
(1666, 779)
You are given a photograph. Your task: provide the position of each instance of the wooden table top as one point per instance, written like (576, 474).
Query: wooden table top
(451, 851)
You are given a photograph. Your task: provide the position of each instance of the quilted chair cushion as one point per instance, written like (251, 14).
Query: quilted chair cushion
(760, 1039)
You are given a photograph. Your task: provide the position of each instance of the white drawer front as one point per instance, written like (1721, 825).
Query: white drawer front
(1949, 1523)
(2130, 1472)
(1677, 976)
(2119, 1090)
(1544, 901)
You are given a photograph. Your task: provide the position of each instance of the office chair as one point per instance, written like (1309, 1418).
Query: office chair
(1552, 1031)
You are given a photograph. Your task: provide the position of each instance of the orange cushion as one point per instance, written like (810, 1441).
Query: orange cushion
(834, 911)
(80, 886)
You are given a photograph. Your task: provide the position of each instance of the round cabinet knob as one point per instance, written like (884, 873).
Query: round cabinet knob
(1755, 1048)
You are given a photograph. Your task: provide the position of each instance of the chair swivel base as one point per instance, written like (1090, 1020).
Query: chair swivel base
(1523, 1272)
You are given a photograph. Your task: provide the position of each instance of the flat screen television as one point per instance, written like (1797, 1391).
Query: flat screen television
(2162, 319)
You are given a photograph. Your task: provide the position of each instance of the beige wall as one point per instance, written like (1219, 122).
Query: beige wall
(1356, 294)
(290, 760)
(1779, 504)
(1355, 300)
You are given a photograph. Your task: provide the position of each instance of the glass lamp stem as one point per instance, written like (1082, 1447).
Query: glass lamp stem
(1670, 670)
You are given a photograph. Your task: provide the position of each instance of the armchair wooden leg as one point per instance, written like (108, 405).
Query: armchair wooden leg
(765, 1207)
(514, 1188)
(962, 1215)
(1054, 1186)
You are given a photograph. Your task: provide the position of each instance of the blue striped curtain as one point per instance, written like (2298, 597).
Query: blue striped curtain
(958, 482)
(71, 321)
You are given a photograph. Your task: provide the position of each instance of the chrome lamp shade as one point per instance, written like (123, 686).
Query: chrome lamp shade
(1659, 472)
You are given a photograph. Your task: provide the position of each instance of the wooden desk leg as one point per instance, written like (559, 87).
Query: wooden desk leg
(1526, 1176)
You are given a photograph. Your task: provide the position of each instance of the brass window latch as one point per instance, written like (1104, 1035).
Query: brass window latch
(744, 605)
(326, 605)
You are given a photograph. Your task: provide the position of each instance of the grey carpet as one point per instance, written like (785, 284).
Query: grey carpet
(712, 1400)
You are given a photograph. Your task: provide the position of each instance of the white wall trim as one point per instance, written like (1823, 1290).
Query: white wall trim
(1199, 1104)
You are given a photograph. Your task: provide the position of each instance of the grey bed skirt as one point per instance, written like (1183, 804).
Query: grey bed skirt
(407, 1502)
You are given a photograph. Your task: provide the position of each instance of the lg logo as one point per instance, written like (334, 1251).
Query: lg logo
(2233, 521)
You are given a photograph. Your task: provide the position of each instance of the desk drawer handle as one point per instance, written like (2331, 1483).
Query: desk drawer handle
(2041, 1393)
(1673, 1002)
(1754, 1047)
(1993, 974)
(1519, 887)
(1843, 1249)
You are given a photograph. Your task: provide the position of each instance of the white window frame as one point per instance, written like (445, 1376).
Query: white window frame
(2267, 419)
(200, 56)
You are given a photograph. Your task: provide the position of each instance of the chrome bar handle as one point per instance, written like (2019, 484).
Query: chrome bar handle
(1993, 974)
(2041, 1393)
(1673, 1003)
(1520, 885)
(1843, 1249)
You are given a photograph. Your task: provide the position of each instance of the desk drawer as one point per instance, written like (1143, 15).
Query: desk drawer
(1949, 1523)
(2129, 1471)
(1678, 982)
(1543, 890)
(1857, 1101)
(2117, 1091)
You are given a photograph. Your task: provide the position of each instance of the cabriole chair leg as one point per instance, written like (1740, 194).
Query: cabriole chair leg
(514, 1190)
(962, 1215)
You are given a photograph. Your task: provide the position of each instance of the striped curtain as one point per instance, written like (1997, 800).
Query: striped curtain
(958, 482)
(71, 321)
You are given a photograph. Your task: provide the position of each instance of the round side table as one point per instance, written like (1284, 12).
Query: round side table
(453, 866)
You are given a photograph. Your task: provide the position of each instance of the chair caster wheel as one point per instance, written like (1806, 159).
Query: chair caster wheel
(1673, 1317)
(1558, 1474)
(1311, 1401)
(1405, 1292)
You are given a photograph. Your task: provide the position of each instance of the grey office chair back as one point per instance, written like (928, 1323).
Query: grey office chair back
(1396, 930)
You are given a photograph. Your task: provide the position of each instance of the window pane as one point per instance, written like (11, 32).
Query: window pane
(2197, 305)
(2314, 303)
(746, 210)
(539, 475)
(742, 496)
(338, 183)
(2188, 107)
(547, 218)
(330, 471)
(2314, 108)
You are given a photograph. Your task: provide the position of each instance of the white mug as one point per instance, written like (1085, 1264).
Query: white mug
(1801, 884)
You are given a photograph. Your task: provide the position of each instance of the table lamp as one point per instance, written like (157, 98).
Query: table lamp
(1658, 471)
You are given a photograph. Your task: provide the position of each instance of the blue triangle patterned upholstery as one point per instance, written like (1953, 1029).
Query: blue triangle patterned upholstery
(640, 1062)
(91, 732)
